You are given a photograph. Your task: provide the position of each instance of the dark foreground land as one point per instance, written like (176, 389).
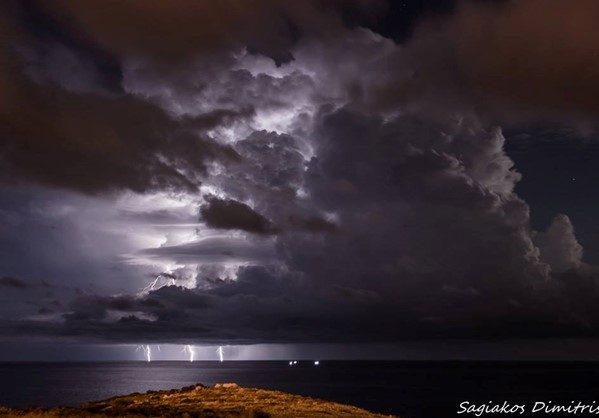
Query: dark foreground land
(220, 401)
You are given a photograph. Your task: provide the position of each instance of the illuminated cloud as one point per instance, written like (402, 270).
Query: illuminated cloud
(284, 176)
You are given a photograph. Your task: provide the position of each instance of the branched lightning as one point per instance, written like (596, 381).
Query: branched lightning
(170, 281)
(147, 351)
(189, 350)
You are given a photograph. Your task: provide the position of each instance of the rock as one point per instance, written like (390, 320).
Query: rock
(199, 401)
(226, 385)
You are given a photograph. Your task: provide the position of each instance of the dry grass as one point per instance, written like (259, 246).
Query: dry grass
(222, 401)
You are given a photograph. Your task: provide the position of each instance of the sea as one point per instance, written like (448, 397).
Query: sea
(415, 389)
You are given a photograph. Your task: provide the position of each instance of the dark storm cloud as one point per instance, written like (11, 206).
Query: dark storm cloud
(380, 203)
(65, 119)
(510, 61)
(539, 56)
(93, 143)
(378, 280)
(270, 174)
(55, 51)
(311, 224)
(241, 311)
(233, 311)
(13, 282)
(419, 186)
(230, 214)
(166, 34)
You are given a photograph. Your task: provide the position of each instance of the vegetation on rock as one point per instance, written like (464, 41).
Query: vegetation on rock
(221, 401)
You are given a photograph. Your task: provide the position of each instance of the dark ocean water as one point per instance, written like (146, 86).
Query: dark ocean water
(406, 389)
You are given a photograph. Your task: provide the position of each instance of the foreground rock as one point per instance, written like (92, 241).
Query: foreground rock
(226, 400)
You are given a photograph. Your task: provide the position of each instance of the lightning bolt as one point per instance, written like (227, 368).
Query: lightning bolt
(220, 353)
(147, 351)
(151, 286)
(171, 280)
(189, 350)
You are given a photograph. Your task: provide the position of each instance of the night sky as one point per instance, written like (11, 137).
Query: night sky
(338, 178)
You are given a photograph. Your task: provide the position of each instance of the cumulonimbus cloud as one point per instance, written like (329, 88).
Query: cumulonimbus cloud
(338, 196)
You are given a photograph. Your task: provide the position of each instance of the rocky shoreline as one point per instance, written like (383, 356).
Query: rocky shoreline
(198, 401)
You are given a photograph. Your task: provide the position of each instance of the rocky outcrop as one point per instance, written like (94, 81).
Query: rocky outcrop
(223, 400)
